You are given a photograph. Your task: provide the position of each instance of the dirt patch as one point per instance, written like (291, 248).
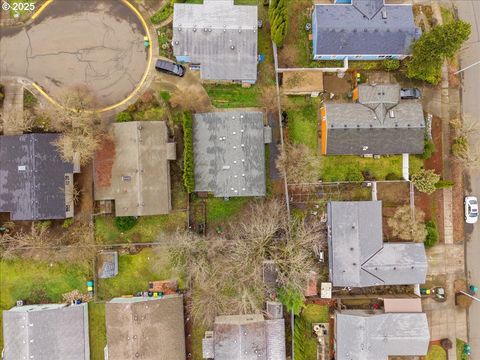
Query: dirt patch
(458, 211)
(338, 86)
(84, 183)
(104, 158)
(436, 161)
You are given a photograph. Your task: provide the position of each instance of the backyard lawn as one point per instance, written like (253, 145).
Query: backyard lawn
(302, 121)
(305, 342)
(147, 229)
(233, 96)
(38, 282)
(135, 271)
(219, 210)
(97, 330)
(354, 168)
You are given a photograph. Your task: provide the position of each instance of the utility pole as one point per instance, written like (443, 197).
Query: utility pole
(468, 67)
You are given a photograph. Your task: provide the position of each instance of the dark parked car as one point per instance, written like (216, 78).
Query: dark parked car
(169, 67)
(410, 93)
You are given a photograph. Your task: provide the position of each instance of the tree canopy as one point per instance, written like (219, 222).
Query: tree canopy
(433, 47)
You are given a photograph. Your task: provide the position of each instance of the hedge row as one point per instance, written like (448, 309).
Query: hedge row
(277, 14)
(188, 165)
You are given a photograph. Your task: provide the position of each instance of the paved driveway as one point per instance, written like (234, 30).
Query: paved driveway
(94, 43)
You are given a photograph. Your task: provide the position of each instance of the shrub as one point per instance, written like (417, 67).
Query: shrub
(391, 64)
(432, 234)
(355, 175)
(292, 299)
(428, 150)
(277, 13)
(188, 162)
(155, 113)
(163, 14)
(425, 180)
(125, 223)
(460, 147)
(67, 223)
(165, 95)
(124, 116)
(441, 184)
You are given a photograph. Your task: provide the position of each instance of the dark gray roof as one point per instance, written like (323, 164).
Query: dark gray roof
(146, 328)
(360, 29)
(32, 177)
(363, 336)
(224, 41)
(249, 337)
(357, 255)
(46, 332)
(229, 152)
(380, 123)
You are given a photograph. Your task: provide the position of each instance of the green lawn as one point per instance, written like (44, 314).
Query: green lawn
(350, 168)
(97, 330)
(233, 95)
(305, 343)
(147, 229)
(436, 352)
(38, 282)
(198, 332)
(447, 15)
(135, 271)
(302, 121)
(219, 210)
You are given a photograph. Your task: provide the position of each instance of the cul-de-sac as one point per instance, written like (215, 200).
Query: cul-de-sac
(239, 179)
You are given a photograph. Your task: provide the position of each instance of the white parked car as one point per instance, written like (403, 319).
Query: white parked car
(471, 209)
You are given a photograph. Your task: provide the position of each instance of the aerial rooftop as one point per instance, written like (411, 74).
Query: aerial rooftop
(365, 336)
(380, 123)
(146, 328)
(133, 168)
(218, 35)
(366, 27)
(46, 332)
(248, 337)
(34, 180)
(358, 257)
(229, 152)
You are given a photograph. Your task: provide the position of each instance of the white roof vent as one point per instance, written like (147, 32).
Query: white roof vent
(391, 113)
(22, 167)
(384, 14)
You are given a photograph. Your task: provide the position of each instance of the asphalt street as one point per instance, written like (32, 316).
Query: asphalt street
(98, 44)
(469, 10)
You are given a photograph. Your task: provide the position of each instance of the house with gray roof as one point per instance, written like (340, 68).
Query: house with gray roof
(35, 182)
(146, 328)
(229, 152)
(380, 123)
(132, 168)
(360, 335)
(245, 337)
(46, 332)
(218, 37)
(363, 30)
(357, 255)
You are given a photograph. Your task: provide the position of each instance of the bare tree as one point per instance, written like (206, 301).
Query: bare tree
(226, 272)
(299, 164)
(78, 122)
(18, 123)
(408, 227)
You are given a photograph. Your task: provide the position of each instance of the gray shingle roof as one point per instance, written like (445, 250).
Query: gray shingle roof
(249, 337)
(32, 177)
(359, 29)
(363, 336)
(46, 332)
(380, 123)
(357, 255)
(153, 328)
(229, 152)
(136, 174)
(224, 41)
